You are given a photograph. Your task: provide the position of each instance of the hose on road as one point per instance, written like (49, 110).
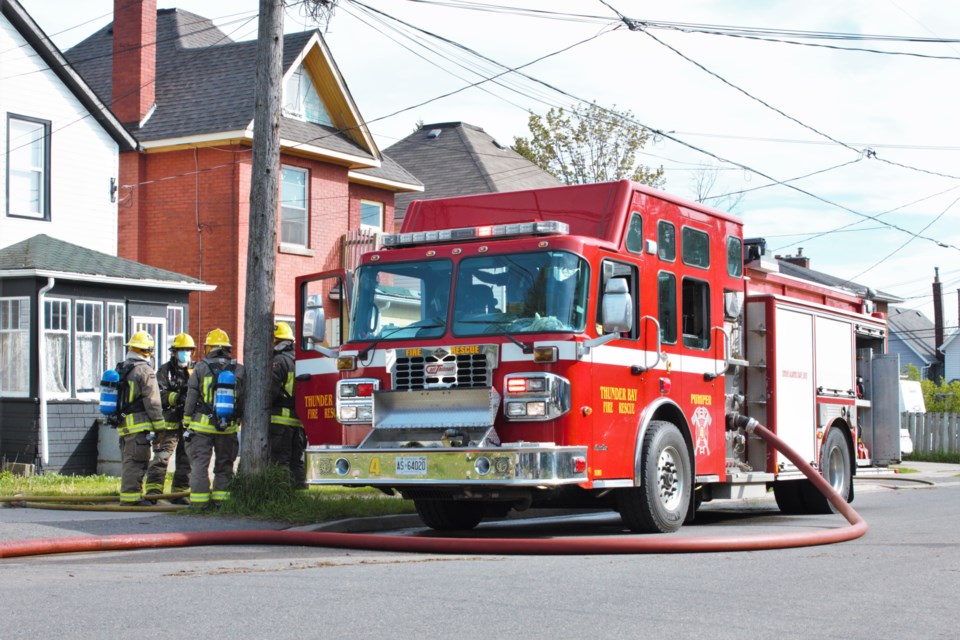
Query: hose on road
(502, 546)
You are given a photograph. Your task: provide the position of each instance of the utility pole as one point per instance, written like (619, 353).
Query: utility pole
(258, 316)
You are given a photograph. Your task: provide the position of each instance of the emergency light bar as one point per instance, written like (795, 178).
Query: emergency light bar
(547, 227)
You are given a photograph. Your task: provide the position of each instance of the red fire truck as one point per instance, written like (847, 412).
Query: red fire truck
(585, 346)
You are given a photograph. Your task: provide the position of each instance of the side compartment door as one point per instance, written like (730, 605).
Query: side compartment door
(322, 313)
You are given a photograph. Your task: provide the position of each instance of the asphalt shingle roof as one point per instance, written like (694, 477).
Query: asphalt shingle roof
(915, 329)
(204, 81)
(462, 160)
(43, 253)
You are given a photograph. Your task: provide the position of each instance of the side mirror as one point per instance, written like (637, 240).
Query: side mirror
(617, 308)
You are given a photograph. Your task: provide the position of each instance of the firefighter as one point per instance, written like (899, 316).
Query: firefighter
(208, 435)
(172, 378)
(287, 438)
(140, 413)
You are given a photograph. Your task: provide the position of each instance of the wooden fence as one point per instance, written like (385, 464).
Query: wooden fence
(933, 432)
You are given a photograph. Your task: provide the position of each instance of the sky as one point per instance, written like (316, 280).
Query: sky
(875, 119)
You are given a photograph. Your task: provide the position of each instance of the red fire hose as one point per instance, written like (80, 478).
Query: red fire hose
(555, 546)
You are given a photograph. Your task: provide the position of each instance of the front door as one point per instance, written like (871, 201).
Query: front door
(156, 327)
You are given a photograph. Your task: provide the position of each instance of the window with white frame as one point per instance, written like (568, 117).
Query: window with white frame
(28, 162)
(301, 100)
(294, 212)
(116, 330)
(371, 216)
(56, 336)
(174, 321)
(15, 346)
(88, 348)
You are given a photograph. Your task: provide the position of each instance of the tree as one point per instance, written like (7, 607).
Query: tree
(588, 143)
(704, 181)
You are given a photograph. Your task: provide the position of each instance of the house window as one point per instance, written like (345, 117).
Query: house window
(174, 321)
(56, 336)
(300, 99)
(88, 348)
(14, 346)
(116, 330)
(371, 216)
(293, 206)
(28, 167)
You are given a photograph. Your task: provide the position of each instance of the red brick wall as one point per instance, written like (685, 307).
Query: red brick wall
(177, 189)
(134, 59)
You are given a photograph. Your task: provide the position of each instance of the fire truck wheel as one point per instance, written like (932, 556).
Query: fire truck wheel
(836, 470)
(449, 515)
(660, 504)
(789, 496)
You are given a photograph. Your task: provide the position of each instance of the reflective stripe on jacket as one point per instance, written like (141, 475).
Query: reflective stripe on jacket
(143, 395)
(283, 411)
(199, 409)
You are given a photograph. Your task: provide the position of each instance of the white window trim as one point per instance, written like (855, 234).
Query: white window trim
(44, 171)
(382, 216)
(26, 392)
(87, 395)
(289, 246)
(108, 334)
(177, 309)
(59, 395)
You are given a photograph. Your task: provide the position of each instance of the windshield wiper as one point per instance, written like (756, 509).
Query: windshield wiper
(526, 348)
(366, 350)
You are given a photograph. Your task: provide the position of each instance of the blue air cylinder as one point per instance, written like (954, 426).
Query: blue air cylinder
(109, 389)
(225, 395)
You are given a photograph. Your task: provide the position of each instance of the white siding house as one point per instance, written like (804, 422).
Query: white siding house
(951, 357)
(61, 144)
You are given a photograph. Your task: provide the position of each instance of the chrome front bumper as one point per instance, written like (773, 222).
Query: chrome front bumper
(517, 466)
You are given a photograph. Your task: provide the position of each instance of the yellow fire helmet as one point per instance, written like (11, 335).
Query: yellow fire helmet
(141, 340)
(218, 338)
(183, 341)
(282, 331)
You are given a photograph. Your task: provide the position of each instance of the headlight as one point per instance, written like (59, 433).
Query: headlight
(535, 396)
(355, 400)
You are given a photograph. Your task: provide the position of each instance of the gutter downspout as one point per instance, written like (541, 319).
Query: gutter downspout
(41, 371)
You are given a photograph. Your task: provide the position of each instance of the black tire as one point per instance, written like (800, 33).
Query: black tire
(836, 469)
(789, 496)
(449, 515)
(661, 503)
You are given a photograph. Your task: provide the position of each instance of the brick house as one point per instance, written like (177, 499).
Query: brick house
(185, 91)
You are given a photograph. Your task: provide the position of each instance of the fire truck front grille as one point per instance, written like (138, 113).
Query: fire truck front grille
(442, 370)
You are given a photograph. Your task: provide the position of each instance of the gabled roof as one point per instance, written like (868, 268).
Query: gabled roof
(43, 256)
(950, 339)
(914, 330)
(790, 269)
(204, 91)
(458, 159)
(58, 64)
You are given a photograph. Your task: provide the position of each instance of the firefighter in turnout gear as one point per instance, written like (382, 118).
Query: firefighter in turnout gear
(287, 438)
(172, 378)
(209, 435)
(140, 413)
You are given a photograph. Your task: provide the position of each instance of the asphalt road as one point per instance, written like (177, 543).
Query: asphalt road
(901, 580)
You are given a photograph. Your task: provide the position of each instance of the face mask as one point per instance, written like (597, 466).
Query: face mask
(183, 358)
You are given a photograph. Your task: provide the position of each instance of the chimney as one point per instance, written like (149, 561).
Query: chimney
(134, 60)
(937, 313)
(800, 260)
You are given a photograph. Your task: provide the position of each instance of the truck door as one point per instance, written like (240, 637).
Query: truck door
(322, 312)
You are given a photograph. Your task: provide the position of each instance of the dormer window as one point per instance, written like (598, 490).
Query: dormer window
(301, 100)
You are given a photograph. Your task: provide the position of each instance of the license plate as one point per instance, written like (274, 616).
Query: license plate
(411, 465)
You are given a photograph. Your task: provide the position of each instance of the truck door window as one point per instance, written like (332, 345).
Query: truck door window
(667, 306)
(629, 272)
(401, 300)
(734, 257)
(695, 247)
(634, 241)
(695, 305)
(666, 241)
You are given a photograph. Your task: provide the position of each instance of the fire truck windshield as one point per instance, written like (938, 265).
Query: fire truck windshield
(401, 300)
(520, 293)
